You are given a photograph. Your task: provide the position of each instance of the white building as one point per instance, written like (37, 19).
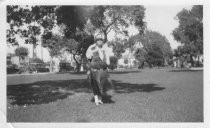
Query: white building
(129, 56)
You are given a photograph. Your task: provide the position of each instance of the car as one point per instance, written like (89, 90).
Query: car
(12, 69)
(64, 66)
(40, 67)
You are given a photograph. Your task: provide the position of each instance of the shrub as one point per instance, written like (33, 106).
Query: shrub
(113, 62)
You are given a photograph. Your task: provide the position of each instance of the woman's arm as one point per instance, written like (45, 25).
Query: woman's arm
(90, 51)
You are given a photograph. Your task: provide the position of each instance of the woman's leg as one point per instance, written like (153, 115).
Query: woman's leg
(95, 87)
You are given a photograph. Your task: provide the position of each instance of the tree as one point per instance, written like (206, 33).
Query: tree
(190, 29)
(76, 32)
(118, 47)
(21, 52)
(73, 18)
(54, 46)
(74, 23)
(135, 63)
(140, 55)
(14, 19)
(78, 49)
(126, 61)
(38, 18)
(113, 62)
(155, 56)
(27, 21)
(117, 18)
(81, 22)
(156, 48)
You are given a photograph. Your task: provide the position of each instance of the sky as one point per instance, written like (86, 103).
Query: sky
(158, 18)
(162, 19)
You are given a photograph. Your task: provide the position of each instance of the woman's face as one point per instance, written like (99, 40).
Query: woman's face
(99, 43)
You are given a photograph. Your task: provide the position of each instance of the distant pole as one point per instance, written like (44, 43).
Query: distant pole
(33, 51)
(41, 51)
(34, 43)
(130, 52)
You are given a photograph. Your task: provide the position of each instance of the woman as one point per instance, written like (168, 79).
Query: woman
(97, 73)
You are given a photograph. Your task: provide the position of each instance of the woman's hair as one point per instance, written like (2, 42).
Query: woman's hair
(97, 39)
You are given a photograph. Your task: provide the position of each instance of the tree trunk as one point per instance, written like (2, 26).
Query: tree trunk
(82, 66)
(129, 59)
(77, 64)
(42, 52)
(51, 64)
(33, 51)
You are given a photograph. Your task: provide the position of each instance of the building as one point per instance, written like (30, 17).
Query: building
(129, 56)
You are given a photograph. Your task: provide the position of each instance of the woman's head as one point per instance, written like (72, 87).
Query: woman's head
(99, 42)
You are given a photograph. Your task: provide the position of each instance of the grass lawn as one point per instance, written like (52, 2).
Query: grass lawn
(149, 95)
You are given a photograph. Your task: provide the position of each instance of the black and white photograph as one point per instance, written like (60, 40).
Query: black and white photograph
(104, 63)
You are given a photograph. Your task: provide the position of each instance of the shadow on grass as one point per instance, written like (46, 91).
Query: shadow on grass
(129, 88)
(124, 72)
(72, 72)
(44, 92)
(111, 72)
(185, 70)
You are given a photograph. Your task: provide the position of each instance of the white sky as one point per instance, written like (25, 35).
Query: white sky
(161, 19)
(158, 18)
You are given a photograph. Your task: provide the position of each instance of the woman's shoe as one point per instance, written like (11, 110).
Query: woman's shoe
(96, 100)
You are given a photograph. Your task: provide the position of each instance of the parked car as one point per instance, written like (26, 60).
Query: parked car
(12, 69)
(63, 66)
(41, 67)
